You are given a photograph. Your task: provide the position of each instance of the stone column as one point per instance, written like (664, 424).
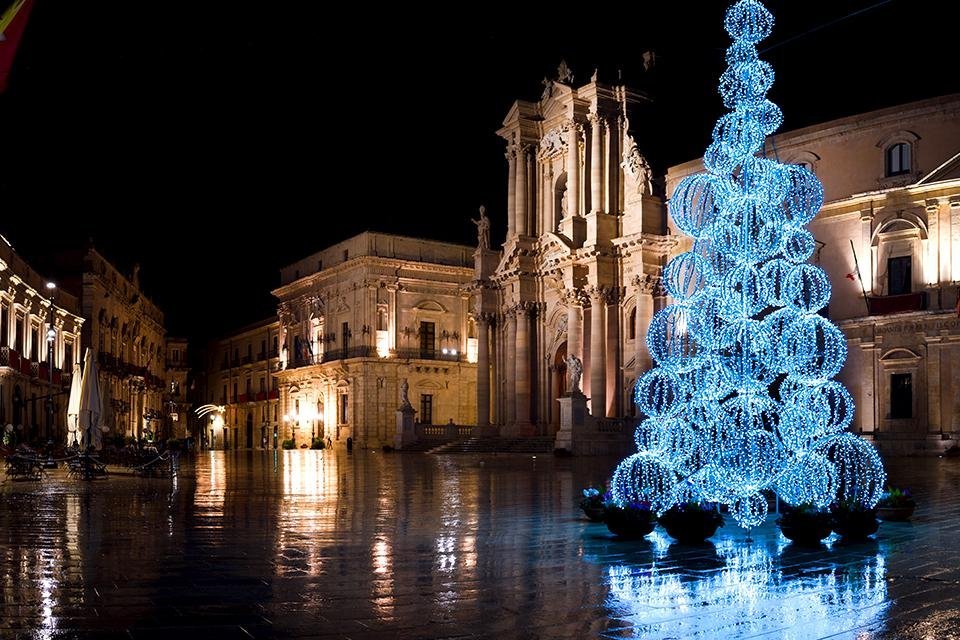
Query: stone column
(596, 164)
(931, 270)
(954, 256)
(598, 352)
(574, 325)
(934, 424)
(546, 203)
(523, 365)
(573, 170)
(483, 371)
(511, 191)
(612, 172)
(864, 252)
(510, 355)
(521, 197)
(642, 359)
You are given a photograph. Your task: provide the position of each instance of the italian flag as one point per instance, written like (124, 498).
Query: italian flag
(13, 22)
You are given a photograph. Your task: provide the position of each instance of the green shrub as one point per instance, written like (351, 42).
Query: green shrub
(317, 443)
(289, 444)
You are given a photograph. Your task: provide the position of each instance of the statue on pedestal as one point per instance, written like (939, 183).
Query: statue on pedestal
(575, 371)
(404, 395)
(483, 229)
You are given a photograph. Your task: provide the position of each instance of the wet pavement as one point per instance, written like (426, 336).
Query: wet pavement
(368, 545)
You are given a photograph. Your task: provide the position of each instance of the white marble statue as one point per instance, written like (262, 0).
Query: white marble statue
(575, 371)
(483, 229)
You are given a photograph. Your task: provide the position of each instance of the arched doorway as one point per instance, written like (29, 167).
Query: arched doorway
(559, 384)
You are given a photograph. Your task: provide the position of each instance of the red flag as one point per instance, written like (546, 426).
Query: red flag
(14, 19)
(853, 275)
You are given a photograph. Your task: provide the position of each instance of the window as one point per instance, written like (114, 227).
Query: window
(273, 384)
(898, 159)
(901, 396)
(249, 388)
(320, 265)
(276, 344)
(234, 392)
(344, 401)
(249, 351)
(426, 408)
(20, 336)
(899, 275)
(263, 385)
(4, 322)
(428, 340)
(34, 344)
(382, 319)
(632, 325)
(67, 356)
(263, 349)
(176, 355)
(345, 336)
(223, 398)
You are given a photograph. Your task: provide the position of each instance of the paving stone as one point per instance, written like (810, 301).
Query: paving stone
(368, 547)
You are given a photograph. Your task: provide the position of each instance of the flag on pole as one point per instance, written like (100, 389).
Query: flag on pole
(13, 22)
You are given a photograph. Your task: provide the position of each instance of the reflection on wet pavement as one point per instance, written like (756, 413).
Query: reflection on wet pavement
(321, 544)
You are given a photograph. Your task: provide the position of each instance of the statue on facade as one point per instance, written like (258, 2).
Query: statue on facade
(483, 229)
(404, 395)
(575, 371)
(547, 88)
(564, 73)
(636, 166)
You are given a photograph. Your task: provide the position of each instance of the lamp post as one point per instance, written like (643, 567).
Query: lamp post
(51, 338)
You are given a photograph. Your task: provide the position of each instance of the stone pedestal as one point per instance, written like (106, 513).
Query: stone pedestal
(573, 417)
(485, 262)
(406, 433)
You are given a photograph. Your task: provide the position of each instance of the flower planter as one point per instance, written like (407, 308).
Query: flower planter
(805, 527)
(595, 512)
(691, 525)
(629, 523)
(855, 525)
(896, 514)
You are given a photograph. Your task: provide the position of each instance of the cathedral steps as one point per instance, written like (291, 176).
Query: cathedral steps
(529, 445)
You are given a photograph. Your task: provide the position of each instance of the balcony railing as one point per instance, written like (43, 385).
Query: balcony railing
(9, 358)
(428, 354)
(886, 305)
(273, 394)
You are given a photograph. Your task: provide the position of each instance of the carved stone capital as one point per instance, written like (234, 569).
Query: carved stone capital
(649, 284)
(932, 205)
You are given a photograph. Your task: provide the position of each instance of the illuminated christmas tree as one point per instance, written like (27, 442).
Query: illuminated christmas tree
(743, 398)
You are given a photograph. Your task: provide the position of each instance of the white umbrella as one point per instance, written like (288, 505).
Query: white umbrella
(91, 407)
(73, 408)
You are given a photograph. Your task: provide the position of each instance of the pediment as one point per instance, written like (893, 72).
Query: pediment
(949, 170)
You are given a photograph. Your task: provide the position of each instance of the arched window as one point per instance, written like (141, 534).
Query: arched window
(898, 159)
(632, 328)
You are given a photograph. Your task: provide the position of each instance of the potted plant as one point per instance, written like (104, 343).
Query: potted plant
(896, 505)
(629, 520)
(805, 524)
(691, 522)
(592, 504)
(289, 444)
(854, 521)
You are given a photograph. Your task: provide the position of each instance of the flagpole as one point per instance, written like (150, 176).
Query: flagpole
(856, 264)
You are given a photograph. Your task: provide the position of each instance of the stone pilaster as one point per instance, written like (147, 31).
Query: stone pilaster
(483, 370)
(573, 170)
(598, 352)
(510, 372)
(511, 191)
(523, 390)
(522, 197)
(596, 163)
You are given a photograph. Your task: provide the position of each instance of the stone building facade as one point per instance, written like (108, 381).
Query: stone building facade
(176, 395)
(241, 379)
(578, 275)
(889, 238)
(126, 332)
(362, 316)
(27, 307)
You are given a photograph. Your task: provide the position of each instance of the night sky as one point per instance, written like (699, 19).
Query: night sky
(215, 142)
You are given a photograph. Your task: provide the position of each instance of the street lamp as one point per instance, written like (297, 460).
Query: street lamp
(51, 338)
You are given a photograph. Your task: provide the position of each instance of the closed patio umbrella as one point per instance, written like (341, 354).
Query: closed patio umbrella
(73, 408)
(91, 404)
